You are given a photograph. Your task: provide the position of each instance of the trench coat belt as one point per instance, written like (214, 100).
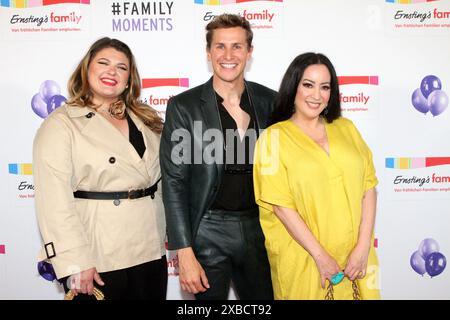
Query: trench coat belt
(115, 195)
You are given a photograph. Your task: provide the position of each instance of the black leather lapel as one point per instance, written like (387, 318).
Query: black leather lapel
(209, 106)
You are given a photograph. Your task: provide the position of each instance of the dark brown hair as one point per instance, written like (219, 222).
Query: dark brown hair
(225, 21)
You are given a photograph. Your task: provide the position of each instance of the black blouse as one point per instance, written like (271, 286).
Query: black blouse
(136, 138)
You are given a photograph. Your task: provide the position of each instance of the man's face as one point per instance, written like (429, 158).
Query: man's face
(229, 54)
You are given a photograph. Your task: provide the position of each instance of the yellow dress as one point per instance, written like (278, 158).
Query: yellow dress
(292, 171)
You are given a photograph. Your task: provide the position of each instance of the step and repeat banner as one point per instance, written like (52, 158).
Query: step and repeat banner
(393, 62)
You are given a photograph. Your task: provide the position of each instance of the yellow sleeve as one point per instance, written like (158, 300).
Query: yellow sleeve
(370, 179)
(269, 174)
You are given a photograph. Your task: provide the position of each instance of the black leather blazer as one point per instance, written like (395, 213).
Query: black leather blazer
(189, 189)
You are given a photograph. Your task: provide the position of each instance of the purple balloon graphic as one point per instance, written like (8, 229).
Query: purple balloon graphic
(438, 102)
(417, 263)
(55, 102)
(46, 270)
(48, 89)
(435, 263)
(427, 247)
(419, 101)
(39, 106)
(429, 84)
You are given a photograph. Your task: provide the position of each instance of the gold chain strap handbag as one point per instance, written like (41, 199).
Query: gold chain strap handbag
(97, 294)
(330, 292)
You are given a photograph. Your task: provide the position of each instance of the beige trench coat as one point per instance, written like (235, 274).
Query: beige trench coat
(75, 150)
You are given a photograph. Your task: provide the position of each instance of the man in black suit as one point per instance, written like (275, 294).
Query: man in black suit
(206, 162)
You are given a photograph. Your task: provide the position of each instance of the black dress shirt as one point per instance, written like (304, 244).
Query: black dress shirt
(236, 189)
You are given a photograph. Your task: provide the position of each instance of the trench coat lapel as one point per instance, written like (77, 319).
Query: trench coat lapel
(103, 133)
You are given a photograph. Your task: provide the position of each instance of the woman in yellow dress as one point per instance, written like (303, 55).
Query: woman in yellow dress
(315, 186)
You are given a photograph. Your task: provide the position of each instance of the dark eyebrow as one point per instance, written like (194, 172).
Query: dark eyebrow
(315, 82)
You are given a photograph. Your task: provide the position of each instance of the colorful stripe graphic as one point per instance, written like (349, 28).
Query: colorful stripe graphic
(165, 82)
(2, 249)
(24, 169)
(38, 3)
(415, 163)
(371, 80)
(221, 2)
(409, 1)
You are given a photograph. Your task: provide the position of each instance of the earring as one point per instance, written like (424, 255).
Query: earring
(325, 111)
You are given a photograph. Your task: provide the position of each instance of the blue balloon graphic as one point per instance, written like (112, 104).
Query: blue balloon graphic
(55, 102)
(427, 247)
(429, 84)
(419, 101)
(417, 263)
(48, 89)
(435, 263)
(46, 270)
(39, 106)
(438, 102)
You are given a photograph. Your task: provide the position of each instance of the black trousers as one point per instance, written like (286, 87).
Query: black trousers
(230, 246)
(147, 281)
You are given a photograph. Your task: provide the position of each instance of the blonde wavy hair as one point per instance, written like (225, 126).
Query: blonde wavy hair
(80, 94)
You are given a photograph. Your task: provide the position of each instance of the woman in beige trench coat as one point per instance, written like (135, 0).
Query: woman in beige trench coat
(96, 171)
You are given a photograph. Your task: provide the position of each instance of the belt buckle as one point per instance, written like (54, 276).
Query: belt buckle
(134, 194)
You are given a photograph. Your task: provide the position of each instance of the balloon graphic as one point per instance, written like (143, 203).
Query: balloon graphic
(427, 247)
(435, 263)
(46, 270)
(39, 106)
(48, 89)
(429, 84)
(417, 263)
(419, 101)
(437, 102)
(55, 102)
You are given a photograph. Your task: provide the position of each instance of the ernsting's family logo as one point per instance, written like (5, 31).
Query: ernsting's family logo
(425, 15)
(49, 18)
(263, 15)
(412, 176)
(38, 3)
(359, 95)
(157, 91)
(21, 182)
